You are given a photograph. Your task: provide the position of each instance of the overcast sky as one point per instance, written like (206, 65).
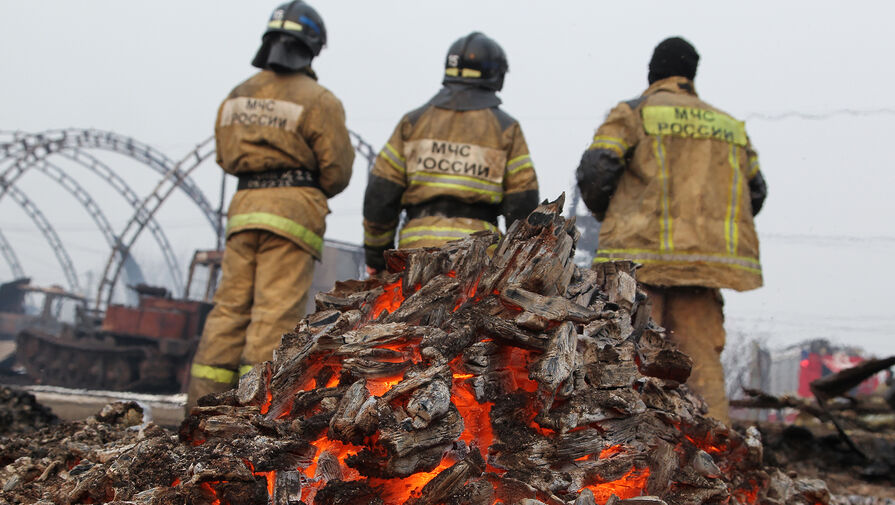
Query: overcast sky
(812, 80)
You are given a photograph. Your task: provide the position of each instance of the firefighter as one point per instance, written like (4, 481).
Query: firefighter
(283, 136)
(676, 183)
(454, 164)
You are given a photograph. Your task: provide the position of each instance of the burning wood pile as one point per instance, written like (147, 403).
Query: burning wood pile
(487, 371)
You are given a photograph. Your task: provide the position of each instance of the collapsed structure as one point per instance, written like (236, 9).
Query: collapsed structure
(491, 370)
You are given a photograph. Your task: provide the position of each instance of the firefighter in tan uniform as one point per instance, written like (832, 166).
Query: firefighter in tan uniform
(454, 164)
(284, 137)
(676, 184)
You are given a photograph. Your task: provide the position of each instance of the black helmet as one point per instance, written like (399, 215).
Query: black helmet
(673, 56)
(295, 35)
(475, 59)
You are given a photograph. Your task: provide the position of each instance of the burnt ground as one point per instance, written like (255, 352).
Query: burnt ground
(21, 413)
(815, 450)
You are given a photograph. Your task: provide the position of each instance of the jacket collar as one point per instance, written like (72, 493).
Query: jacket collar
(308, 71)
(454, 96)
(674, 84)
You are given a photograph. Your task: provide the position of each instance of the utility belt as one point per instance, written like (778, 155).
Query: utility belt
(289, 178)
(451, 207)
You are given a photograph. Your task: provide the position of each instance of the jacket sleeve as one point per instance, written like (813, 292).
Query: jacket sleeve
(758, 189)
(520, 183)
(604, 161)
(328, 138)
(382, 199)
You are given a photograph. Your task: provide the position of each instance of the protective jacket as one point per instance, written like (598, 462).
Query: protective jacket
(454, 164)
(284, 136)
(676, 183)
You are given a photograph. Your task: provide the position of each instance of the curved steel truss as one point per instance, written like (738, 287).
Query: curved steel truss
(11, 259)
(363, 148)
(68, 267)
(22, 151)
(26, 147)
(91, 163)
(150, 205)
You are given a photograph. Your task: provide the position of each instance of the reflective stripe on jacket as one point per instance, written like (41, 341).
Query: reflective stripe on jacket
(682, 204)
(437, 231)
(219, 374)
(278, 122)
(475, 156)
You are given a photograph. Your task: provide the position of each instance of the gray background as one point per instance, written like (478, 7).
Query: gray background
(812, 80)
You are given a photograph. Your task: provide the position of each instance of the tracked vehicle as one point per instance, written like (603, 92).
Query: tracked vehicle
(143, 348)
(147, 347)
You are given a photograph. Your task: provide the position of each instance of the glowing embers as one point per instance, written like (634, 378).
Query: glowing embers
(208, 487)
(389, 301)
(476, 420)
(270, 477)
(265, 407)
(509, 379)
(518, 361)
(630, 485)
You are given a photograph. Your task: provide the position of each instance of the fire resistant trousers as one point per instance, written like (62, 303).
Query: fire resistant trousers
(694, 318)
(263, 294)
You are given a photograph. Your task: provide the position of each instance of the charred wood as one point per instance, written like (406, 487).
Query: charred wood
(450, 481)
(657, 358)
(401, 441)
(348, 493)
(429, 403)
(344, 424)
(558, 360)
(441, 290)
(475, 492)
(549, 308)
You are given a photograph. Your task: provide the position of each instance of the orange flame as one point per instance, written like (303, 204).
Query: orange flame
(476, 416)
(518, 363)
(266, 406)
(176, 482)
(630, 485)
(333, 381)
(207, 486)
(271, 480)
(270, 476)
(390, 300)
(611, 450)
(708, 445)
(379, 387)
(747, 495)
(340, 450)
(468, 294)
(400, 490)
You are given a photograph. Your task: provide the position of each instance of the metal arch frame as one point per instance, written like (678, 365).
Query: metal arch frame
(84, 198)
(150, 205)
(106, 173)
(49, 233)
(43, 143)
(10, 255)
(365, 149)
(93, 164)
(54, 140)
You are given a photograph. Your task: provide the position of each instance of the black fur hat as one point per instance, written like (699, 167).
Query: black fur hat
(673, 56)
